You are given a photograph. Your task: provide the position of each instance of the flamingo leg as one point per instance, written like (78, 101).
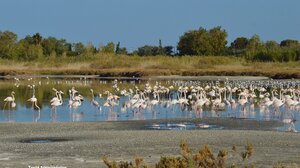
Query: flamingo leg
(4, 105)
(38, 117)
(35, 104)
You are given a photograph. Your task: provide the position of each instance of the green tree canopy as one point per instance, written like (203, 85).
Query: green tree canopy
(8, 42)
(37, 39)
(203, 42)
(148, 50)
(217, 40)
(108, 48)
(271, 45)
(289, 43)
(255, 43)
(239, 43)
(26, 51)
(121, 50)
(52, 45)
(79, 48)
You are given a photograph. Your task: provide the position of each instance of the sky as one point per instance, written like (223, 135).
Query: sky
(135, 23)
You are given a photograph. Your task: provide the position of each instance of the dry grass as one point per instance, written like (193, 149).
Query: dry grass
(203, 158)
(121, 65)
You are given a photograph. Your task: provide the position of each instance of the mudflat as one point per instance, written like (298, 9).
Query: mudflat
(83, 144)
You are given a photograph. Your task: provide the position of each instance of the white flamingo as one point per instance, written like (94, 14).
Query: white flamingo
(93, 101)
(10, 100)
(56, 98)
(75, 100)
(59, 101)
(33, 99)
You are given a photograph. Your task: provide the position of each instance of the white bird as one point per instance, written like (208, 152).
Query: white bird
(93, 101)
(33, 99)
(56, 98)
(10, 100)
(59, 101)
(75, 101)
(76, 104)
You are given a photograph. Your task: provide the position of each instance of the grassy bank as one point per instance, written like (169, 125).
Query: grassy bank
(121, 65)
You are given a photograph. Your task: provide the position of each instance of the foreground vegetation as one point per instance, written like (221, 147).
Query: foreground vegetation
(204, 158)
(123, 65)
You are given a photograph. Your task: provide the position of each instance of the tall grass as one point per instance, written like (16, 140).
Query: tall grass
(162, 62)
(124, 65)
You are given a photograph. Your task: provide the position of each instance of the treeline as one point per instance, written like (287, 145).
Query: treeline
(254, 49)
(35, 47)
(213, 42)
(201, 42)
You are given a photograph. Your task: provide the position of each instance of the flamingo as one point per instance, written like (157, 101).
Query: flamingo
(155, 101)
(76, 104)
(75, 101)
(33, 99)
(242, 101)
(291, 124)
(10, 100)
(59, 101)
(94, 102)
(56, 98)
(71, 99)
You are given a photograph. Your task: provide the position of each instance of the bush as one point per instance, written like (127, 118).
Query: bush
(204, 158)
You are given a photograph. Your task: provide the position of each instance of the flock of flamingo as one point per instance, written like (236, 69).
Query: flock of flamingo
(275, 99)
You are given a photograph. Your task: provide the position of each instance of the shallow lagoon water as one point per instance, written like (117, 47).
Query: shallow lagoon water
(87, 112)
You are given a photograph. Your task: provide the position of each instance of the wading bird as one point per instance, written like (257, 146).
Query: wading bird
(33, 99)
(10, 100)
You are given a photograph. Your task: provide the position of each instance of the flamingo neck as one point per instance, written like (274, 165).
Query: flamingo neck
(60, 98)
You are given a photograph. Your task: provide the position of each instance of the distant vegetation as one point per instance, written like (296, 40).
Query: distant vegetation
(201, 42)
(199, 52)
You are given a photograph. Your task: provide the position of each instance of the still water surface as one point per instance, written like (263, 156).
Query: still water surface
(164, 109)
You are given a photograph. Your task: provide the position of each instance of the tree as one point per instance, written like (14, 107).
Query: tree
(61, 47)
(168, 50)
(192, 42)
(148, 50)
(49, 45)
(289, 43)
(160, 48)
(217, 40)
(238, 46)
(254, 43)
(28, 52)
(203, 42)
(108, 48)
(8, 42)
(79, 48)
(118, 48)
(271, 45)
(121, 50)
(90, 49)
(28, 39)
(37, 39)
(239, 43)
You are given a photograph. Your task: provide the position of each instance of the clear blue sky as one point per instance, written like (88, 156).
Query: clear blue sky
(138, 22)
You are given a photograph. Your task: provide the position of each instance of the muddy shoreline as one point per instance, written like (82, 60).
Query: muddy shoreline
(84, 143)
